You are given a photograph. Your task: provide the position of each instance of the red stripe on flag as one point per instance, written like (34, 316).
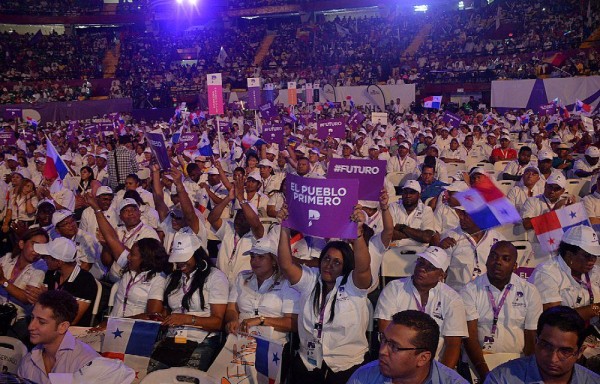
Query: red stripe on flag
(546, 223)
(114, 355)
(488, 190)
(50, 171)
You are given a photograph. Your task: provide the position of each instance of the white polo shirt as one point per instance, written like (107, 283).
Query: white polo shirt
(467, 258)
(592, 204)
(343, 341)
(408, 165)
(444, 305)
(583, 165)
(458, 154)
(521, 310)
(555, 283)
(30, 275)
(446, 216)
(166, 226)
(129, 238)
(517, 194)
(139, 292)
(231, 259)
(376, 251)
(420, 218)
(274, 298)
(89, 223)
(215, 291)
(303, 247)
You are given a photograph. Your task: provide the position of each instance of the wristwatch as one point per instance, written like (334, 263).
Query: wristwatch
(244, 202)
(6, 284)
(262, 320)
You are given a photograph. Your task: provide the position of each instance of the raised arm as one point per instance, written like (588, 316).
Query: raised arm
(362, 260)
(292, 272)
(186, 203)
(386, 216)
(112, 241)
(214, 218)
(251, 217)
(158, 194)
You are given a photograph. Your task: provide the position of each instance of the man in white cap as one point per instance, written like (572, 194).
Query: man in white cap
(402, 162)
(414, 222)
(64, 274)
(527, 187)
(572, 278)
(117, 244)
(216, 187)
(564, 159)
(443, 140)
(554, 197)
(56, 350)
(425, 291)
(444, 204)
(100, 171)
(490, 145)
(592, 204)
(104, 196)
(181, 217)
(502, 309)
(468, 247)
(270, 181)
(544, 164)
(253, 194)
(589, 165)
(88, 248)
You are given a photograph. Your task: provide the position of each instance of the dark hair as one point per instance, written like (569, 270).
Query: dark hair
(249, 155)
(135, 196)
(134, 177)
(563, 248)
(125, 139)
(63, 305)
(84, 185)
(192, 167)
(28, 235)
(428, 332)
(154, 257)
(524, 148)
(240, 169)
(564, 318)
(348, 257)
(202, 271)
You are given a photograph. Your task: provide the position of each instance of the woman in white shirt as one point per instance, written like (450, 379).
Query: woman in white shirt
(333, 317)
(18, 270)
(195, 300)
(141, 288)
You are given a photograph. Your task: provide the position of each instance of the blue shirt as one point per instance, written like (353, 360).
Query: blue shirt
(439, 374)
(525, 370)
(432, 190)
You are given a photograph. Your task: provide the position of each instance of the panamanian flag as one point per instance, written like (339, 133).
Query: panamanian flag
(130, 341)
(433, 102)
(582, 107)
(55, 165)
(487, 205)
(551, 226)
(268, 360)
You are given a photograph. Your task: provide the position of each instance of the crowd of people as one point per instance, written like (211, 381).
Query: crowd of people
(461, 46)
(201, 248)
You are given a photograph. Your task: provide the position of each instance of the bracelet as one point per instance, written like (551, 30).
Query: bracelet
(193, 320)
(98, 210)
(244, 202)
(262, 320)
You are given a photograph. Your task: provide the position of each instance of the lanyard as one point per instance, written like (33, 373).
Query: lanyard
(372, 219)
(130, 285)
(236, 240)
(420, 307)
(496, 309)
(126, 238)
(476, 270)
(587, 286)
(319, 324)
(258, 297)
(401, 163)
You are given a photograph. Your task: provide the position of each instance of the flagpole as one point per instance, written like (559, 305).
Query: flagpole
(219, 135)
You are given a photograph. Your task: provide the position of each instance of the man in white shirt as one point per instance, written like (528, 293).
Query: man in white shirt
(592, 204)
(402, 162)
(414, 222)
(514, 170)
(502, 309)
(589, 165)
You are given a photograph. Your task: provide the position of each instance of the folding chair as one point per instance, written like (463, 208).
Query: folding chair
(96, 305)
(398, 262)
(11, 352)
(505, 185)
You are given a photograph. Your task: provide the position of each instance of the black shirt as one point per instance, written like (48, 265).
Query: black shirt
(81, 284)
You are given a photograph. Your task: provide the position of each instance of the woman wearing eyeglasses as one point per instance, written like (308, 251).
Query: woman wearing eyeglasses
(572, 278)
(426, 292)
(333, 317)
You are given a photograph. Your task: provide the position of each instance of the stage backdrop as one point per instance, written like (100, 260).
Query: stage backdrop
(530, 94)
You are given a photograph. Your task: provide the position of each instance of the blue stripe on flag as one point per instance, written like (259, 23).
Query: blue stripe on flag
(484, 218)
(584, 222)
(262, 357)
(61, 168)
(143, 336)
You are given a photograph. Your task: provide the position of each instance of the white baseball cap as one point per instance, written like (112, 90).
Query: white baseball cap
(457, 186)
(126, 202)
(255, 175)
(60, 248)
(213, 171)
(557, 179)
(412, 184)
(184, 246)
(104, 190)
(60, 215)
(262, 246)
(436, 256)
(545, 155)
(266, 163)
(583, 237)
(272, 150)
(592, 151)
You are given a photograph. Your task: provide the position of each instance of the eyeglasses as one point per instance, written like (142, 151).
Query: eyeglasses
(174, 216)
(393, 347)
(563, 353)
(330, 260)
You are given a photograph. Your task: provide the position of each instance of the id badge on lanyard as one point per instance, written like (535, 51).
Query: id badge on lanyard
(314, 349)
